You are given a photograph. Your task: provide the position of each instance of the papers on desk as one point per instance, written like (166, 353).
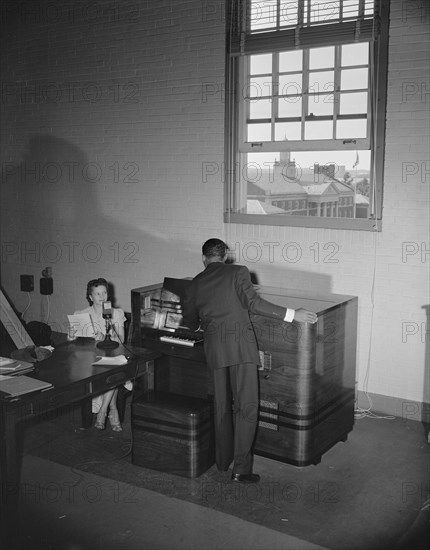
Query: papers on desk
(118, 360)
(82, 325)
(13, 367)
(20, 385)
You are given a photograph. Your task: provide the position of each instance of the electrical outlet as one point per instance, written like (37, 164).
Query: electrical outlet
(27, 283)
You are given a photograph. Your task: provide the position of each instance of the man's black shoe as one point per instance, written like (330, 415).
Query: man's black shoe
(245, 478)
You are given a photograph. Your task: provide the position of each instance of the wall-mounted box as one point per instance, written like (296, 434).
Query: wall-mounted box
(46, 286)
(27, 283)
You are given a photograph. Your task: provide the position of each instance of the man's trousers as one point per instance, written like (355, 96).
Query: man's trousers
(235, 427)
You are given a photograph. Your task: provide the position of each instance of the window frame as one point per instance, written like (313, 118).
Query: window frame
(235, 78)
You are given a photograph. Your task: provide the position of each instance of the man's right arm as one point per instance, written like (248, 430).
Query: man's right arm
(304, 316)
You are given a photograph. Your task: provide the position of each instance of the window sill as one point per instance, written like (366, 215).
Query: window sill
(304, 221)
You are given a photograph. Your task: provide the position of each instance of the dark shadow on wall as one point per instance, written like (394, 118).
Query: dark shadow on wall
(289, 274)
(66, 196)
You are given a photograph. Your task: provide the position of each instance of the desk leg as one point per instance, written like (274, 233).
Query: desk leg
(87, 413)
(10, 465)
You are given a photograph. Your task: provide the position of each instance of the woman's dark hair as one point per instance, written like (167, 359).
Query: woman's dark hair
(92, 284)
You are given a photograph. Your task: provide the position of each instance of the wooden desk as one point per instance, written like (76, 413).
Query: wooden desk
(70, 371)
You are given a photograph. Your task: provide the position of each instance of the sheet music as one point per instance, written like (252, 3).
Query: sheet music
(82, 325)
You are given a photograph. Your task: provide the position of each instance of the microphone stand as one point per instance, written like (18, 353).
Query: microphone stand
(107, 343)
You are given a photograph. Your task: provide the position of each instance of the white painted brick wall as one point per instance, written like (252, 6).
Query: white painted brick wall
(125, 94)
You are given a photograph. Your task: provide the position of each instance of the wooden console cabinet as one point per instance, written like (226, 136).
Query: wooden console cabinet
(307, 379)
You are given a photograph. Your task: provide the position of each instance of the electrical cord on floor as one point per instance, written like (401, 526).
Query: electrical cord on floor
(360, 412)
(136, 356)
(81, 476)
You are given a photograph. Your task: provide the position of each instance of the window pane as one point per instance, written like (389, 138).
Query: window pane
(288, 13)
(259, 86)
(288, 130)
(260, 108)
(350, 8)
(319, 130)
(321, 58)
(320, 105)
(322, 81)
(330, 163)
(355, 128)
(291, 61)
(369, 7)
(290, 84)
(263, 14)
(260, 64)
(260, 160)
(355, 54)
(307, 183)
(253, 170)
(353, 79)
(323, 11)
(353, 103)
(289, 107)
(259, 132)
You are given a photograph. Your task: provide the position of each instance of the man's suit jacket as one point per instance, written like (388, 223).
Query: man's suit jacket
(220, 299)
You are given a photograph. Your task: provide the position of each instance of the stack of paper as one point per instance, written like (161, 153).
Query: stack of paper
(118, 360)
(19, 385)
(12, 367)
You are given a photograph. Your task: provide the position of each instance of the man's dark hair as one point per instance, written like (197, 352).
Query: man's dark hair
(214, 248)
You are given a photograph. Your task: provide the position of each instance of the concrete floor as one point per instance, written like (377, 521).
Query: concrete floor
(79, 491)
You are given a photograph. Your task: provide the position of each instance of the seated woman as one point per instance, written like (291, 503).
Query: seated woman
(97, 293)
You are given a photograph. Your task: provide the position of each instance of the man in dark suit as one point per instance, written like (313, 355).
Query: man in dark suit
(219, 301)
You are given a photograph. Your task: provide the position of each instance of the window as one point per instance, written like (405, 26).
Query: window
(305, 112)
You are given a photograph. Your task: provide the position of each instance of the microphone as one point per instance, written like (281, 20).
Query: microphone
(107, 310)
(107, 343)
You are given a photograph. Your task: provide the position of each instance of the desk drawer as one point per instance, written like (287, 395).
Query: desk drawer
(52, 399)
(143, 369)
(110, 380)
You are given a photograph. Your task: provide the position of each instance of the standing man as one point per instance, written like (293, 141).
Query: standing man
(219, 300)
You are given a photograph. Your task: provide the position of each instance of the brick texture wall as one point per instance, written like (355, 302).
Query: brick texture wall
(113, 113)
